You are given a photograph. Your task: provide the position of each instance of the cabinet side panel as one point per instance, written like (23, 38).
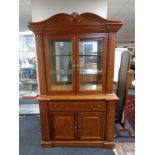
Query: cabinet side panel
(44, 120)
(110, 64)
(40, 63)
(110, 120)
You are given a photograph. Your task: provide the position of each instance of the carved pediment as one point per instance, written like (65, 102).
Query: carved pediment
(75, 20)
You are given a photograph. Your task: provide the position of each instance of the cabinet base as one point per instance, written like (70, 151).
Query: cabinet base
(104, 144)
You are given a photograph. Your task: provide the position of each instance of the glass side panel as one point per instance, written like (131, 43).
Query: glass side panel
(90, 64)
(60, 56)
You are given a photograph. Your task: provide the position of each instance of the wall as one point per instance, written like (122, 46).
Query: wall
(42, 9)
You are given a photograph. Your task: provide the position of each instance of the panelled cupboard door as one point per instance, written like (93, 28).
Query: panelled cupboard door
(63, 125)
(91, 125)
(91, 55)
(60, 63)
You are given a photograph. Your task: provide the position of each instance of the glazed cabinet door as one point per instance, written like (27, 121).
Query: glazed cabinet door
(60, 63)
(91, 54)
(63, 125)
(91, 125)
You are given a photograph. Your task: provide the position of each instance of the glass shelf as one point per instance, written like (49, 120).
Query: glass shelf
(90, 71)
(62, 72)
(82, 71)
(90, 86)
(90, 54)
(62, 55)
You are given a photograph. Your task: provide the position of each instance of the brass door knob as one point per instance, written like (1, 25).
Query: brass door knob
(77, 67)
(73, 67)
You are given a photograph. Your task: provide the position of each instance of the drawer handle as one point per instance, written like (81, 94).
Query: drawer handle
(58, 106)
(62, 106)
(95, 106)
(92, 106)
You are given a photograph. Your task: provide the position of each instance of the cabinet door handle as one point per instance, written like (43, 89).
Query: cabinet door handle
(77, 67)
(75, 126)
(73, 67)
(79, 126)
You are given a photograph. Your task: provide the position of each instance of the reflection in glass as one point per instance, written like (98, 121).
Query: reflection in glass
(60, 56)
(90, 64)
(27, 65)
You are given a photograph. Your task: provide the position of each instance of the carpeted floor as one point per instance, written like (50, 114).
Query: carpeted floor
(29, 142)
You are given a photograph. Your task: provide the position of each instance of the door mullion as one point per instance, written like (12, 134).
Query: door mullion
(76, 125)
(79, 125)
(77, 63)
(73, 64)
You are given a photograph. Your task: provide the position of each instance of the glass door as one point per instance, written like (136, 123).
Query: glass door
(60, 67)
(91, 63)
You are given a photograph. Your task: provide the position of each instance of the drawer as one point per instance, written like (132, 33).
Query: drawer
(76, 106)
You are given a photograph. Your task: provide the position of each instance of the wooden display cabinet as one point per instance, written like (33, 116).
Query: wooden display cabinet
(75, 55)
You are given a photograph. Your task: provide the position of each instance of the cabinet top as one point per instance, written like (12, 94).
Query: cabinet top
(71, 23)
(79, 97)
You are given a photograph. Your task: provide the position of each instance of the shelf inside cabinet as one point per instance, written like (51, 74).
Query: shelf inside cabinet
(61, 72)
(61, 55)
(90, 54)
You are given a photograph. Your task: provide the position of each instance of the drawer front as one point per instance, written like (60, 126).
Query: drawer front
(76, 106)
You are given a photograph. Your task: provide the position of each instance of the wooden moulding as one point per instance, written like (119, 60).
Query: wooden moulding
(107, 97)
(85, 22)
(104, 144)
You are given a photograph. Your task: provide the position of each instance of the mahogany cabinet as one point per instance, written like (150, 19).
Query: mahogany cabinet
(75, 57)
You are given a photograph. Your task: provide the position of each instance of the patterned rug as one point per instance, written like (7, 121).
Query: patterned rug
(131, 110)
(124, 149)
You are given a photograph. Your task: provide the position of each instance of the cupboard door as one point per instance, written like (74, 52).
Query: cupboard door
(91, 62)
(60, 63)
(63, 125)
(91, 125)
